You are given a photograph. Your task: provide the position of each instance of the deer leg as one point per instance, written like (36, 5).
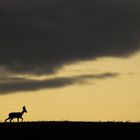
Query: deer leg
(22, 119)
(7, 119)
(11, 119)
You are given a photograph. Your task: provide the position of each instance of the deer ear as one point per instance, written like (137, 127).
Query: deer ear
(24, 107)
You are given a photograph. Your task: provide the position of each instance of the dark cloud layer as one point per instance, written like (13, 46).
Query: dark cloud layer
(40, 36)
(11, 85)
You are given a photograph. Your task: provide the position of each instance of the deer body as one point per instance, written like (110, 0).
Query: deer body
(17, 115)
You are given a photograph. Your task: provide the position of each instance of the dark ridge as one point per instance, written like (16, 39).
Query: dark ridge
(70, 130)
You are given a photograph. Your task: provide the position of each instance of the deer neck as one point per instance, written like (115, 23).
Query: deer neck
(22, 112)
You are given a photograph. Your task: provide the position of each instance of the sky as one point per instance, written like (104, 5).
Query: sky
(70, 59)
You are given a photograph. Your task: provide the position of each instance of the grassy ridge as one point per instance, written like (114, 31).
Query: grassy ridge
(72, 130)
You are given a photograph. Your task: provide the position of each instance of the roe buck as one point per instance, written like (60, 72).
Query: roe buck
(17, 115)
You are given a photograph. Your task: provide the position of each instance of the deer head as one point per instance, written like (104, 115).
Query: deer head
(24, 109)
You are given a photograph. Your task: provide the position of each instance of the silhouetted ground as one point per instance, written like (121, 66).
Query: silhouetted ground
(70, 130)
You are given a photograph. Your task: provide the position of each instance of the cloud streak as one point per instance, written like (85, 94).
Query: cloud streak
(14, 84)
(41, 36)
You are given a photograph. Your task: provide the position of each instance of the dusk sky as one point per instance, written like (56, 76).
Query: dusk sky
(70, 59)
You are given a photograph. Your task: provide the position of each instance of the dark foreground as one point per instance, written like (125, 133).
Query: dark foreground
(70, 130)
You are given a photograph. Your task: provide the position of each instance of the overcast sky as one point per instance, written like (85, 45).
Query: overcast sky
(44, 35)
(41, 36)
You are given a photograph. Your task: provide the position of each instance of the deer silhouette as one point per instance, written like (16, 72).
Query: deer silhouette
(17, 115)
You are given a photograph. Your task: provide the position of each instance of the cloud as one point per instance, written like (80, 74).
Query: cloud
(41, 36)
(15, 84)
